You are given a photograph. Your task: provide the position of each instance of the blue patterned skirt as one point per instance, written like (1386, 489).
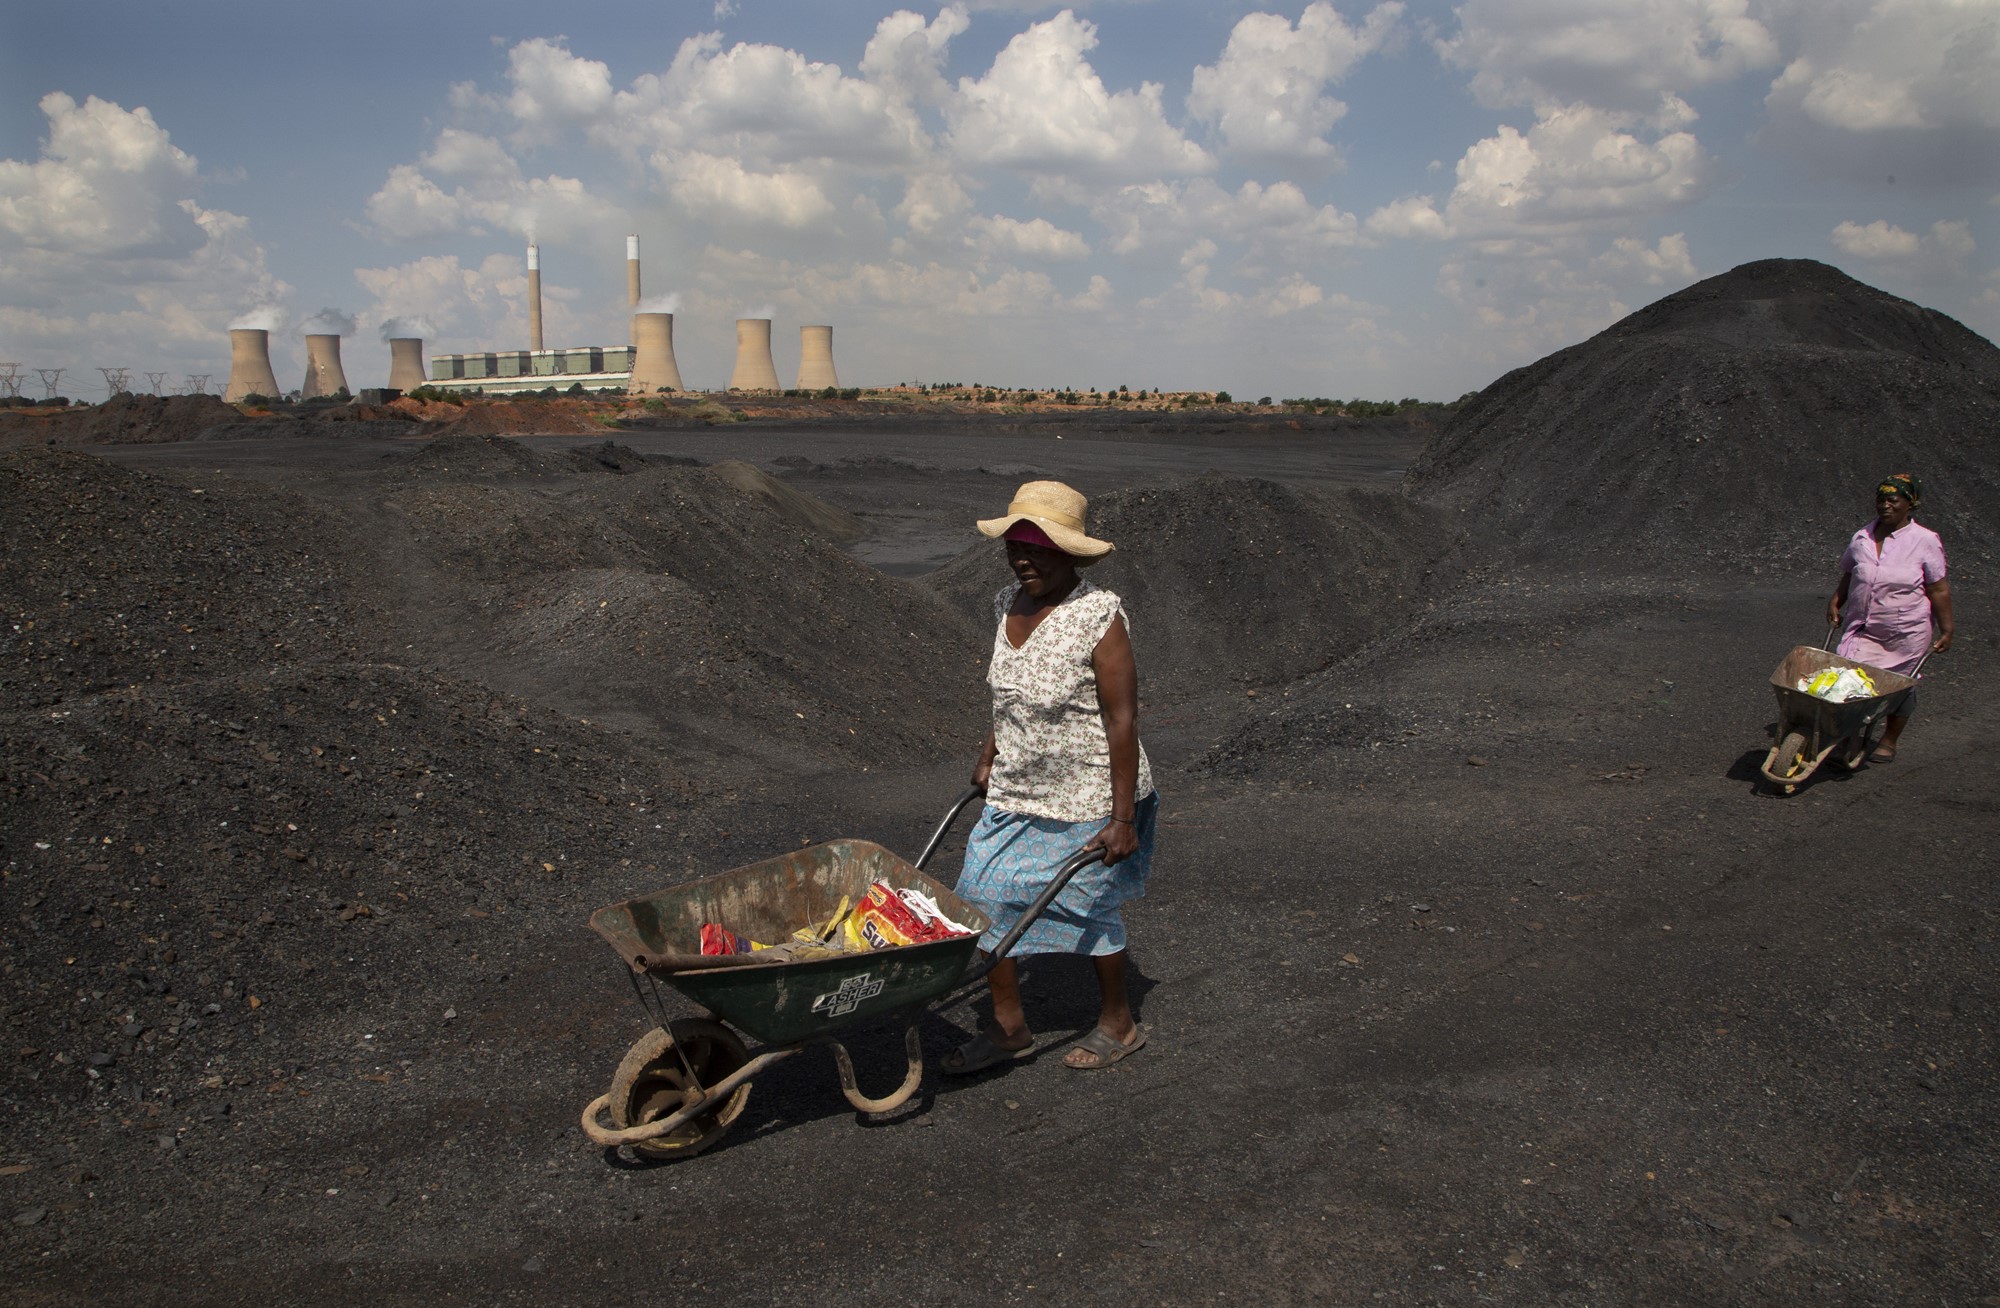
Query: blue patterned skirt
(1010, 859)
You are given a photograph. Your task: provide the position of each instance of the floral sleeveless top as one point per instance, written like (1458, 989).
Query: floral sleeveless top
(1054, 757)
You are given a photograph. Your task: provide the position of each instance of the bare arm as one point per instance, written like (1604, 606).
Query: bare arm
(1940, 597)
(982, 771)
(1839, 600)
(1118, 700)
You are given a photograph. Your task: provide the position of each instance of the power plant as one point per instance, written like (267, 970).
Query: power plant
(647, 366)
(323, 374)
(754, 370)
(653, 366)
(816, 360)
(250, 365)
(406, 362)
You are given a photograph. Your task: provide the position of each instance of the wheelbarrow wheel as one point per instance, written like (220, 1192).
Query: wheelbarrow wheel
(1787, 765)
(652, 1083)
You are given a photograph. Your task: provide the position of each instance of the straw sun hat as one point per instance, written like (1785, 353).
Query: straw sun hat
(1058, 511)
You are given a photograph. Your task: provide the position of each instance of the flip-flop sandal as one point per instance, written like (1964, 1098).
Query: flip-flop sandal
(1878, 757)
(980, 1053)
(1108, 1048)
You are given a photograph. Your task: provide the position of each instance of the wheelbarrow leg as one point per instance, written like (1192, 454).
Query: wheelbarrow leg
(913, 1047)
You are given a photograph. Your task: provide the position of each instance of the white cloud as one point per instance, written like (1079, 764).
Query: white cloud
(722, 190)
(1521, 299)
(1877, 240)
(1902, 88)
(1268, 220)
(1041, 107)
(490, 194)
(767, 106)
(1267, 94)
(931, 202)
(1411, 216)
(906, 54)
(1940, 254)
(1037, 238)
(554, 88)
(1899, 64)
(1666, 262)
(109, 182)
(1576, 165)
(1626, 55)
(107, 256)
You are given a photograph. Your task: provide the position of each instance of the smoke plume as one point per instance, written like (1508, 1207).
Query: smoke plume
(263, 318)
(328, 322)
(668, 303)
(412, 325)
(766, 312)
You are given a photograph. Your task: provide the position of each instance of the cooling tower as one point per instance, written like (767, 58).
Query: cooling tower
(250, 365)
(632, 272)
(406, 362)
(653, 365)
(816, 359)
(754, 370)
(323, 374)
(534, 298)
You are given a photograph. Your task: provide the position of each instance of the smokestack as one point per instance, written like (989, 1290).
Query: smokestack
(632, 272)
(406, 362)
(754, 370)
(323, 374)
(816, 359)
(250, 365)
(653, 365)
(534, 297)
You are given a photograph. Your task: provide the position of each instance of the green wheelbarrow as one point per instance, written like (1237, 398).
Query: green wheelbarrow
(686, 1081)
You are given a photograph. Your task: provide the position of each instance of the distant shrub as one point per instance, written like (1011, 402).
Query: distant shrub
(1222, 397)
(1264, 400)
(851, 393)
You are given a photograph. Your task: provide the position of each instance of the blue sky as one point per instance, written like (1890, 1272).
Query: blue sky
(1354, 198)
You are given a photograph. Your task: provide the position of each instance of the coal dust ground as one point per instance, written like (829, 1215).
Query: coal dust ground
(1478, 968)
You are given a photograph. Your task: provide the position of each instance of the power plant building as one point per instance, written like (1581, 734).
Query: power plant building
(510, 372)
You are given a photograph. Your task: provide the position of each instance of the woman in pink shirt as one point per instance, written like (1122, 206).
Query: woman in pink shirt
(1892, 593)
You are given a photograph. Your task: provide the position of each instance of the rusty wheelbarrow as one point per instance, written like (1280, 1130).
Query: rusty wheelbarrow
(684, 1082)
(1811, 728)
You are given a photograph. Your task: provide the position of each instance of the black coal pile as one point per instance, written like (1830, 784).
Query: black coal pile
(126, 419)
(201, 877)
(111, 578)
(1235, 583)
(1737, 425)
(670, 602)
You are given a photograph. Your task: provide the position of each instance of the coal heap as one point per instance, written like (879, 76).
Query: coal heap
(1738, 424)
(127, 418)
(1201, 562)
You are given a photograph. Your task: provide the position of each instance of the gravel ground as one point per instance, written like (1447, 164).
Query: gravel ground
(1477, 967)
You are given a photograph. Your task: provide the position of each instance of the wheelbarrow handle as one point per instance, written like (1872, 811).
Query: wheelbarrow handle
(1075, 863)
(965, 797)
(1831, 627)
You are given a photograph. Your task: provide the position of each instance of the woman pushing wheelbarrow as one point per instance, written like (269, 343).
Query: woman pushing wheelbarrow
(1064, 839)
(1892, 593)
(1063, 772)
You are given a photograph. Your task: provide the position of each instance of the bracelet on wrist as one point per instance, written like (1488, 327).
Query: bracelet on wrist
(1127, 821)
